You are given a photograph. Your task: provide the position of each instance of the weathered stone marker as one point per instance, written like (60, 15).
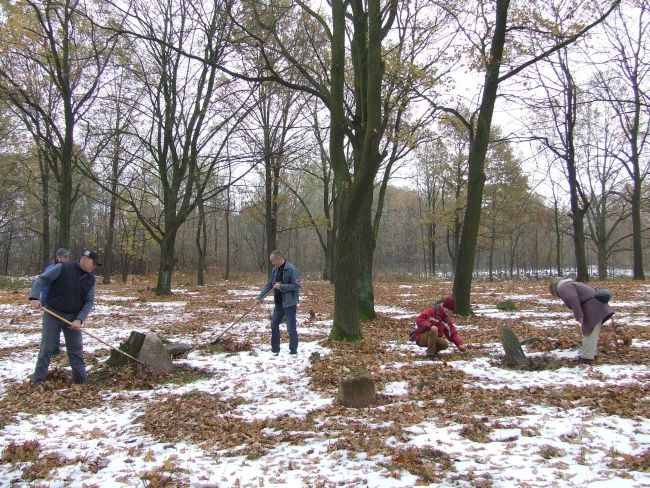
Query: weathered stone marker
(357, 391)
(154, 354)
(514, 354)
(147, 348)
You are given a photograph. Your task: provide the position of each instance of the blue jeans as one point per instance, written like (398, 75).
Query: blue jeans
(50, 339)
(289, 313)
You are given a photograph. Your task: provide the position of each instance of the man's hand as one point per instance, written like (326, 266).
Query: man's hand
(277, 285)
(257, 301)
(462, 348)
(35, 304)
(76, 324)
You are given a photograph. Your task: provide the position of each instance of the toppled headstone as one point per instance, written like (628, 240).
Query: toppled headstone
(357, 391)
(147, 348)
(154, 354)
(131, 346)
(177, 348)
(514, 354)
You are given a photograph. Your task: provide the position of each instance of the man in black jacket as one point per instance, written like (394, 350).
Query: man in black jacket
(71, 295)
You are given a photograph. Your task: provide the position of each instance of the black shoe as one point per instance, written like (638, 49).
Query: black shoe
(585, 361)
(293, 353)
(275, 353)
(432, 357)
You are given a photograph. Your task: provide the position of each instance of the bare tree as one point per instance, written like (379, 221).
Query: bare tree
(624, 88)
(52, 62)
(184, 126)
(489, 40)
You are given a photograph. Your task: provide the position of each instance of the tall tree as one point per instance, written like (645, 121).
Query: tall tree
(410, 67)
(52, 59)
(602, 175)
(368, 24)
(276, 115)
(562, 93)
(490, 47)
(625, 88)
(189, 114)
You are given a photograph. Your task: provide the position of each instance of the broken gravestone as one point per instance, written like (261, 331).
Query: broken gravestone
(177, 348)
(357, 391)
(514, 354)
(154, 354)
(147, 348)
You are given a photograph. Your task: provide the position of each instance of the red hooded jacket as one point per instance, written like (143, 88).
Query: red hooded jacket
(434, 316)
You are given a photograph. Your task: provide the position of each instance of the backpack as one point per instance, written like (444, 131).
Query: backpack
(412, 335)
(445, 320)
(603, 294)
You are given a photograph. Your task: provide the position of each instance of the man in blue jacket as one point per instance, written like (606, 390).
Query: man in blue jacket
(71, 295)
(285, 282)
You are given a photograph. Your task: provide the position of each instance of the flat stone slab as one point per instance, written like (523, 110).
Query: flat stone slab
(514, 354)
(177, 348)
(154, 354)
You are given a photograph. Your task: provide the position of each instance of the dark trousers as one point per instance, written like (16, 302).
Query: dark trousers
(51, 336)
(288, 313)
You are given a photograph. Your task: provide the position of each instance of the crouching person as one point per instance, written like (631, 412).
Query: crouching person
(590, 312)
(435, 329)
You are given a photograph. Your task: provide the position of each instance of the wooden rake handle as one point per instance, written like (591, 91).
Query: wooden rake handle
(69, 324)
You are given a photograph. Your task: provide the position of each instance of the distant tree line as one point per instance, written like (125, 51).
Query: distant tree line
(196, 137)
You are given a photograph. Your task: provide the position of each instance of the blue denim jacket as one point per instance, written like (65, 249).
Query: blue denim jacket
(76, 287)
(290, 284)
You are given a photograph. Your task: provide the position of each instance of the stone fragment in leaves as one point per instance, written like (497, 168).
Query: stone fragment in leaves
(154, 354)
(514, 354)
(148, 348)
(131, 346)
(357, 391)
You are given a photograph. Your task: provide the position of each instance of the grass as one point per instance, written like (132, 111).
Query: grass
(507, 306)
(14, 283)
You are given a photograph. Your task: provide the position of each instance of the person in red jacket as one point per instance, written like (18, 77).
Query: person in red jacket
(435, 328)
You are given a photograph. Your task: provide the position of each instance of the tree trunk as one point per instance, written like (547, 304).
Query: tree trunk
(66, 193)
(110, 240)
(45, 208)
(330, 254)
(558, 238)
(431, 238)
(493, 239)
(367, 250)
(637, 229)
(201, 245)
(476, 178)
(8, 242)
(271, 186)
(346, 325)
(227, 266)
(166, 265)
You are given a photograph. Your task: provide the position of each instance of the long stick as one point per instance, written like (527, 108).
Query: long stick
(56, 316)
(239, 319)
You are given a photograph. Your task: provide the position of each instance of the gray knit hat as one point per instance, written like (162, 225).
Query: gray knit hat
(62, 251)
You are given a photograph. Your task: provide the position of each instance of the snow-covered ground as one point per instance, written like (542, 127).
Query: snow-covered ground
(107, 446)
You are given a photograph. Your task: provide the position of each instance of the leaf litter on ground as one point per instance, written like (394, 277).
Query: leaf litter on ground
(233, 414)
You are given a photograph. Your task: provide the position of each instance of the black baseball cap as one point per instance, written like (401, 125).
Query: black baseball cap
(94, 256)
